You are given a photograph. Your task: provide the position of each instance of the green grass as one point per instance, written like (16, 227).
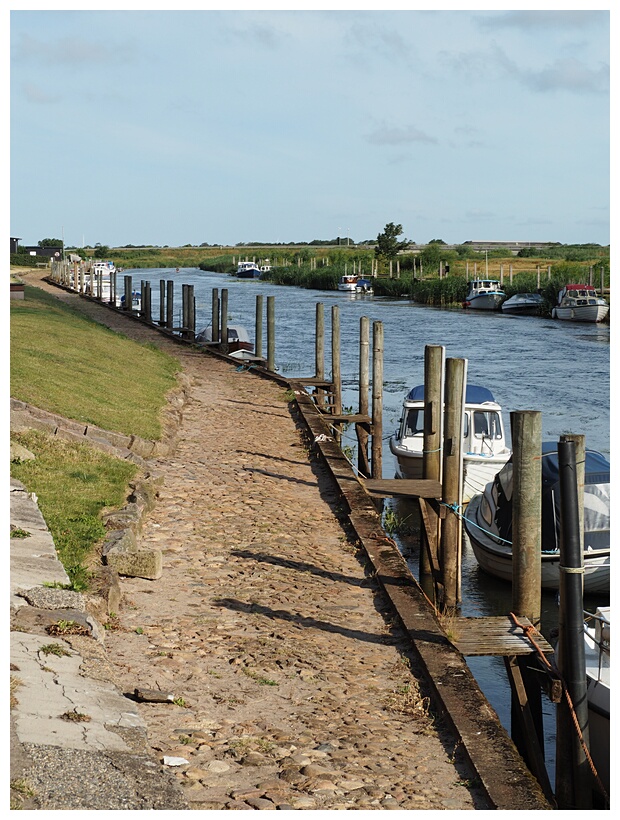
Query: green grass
(64, 363)
(73, 483)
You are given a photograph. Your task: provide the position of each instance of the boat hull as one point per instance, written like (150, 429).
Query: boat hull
(523, 305)
(581, 313)
(496, 558)
(486, 301)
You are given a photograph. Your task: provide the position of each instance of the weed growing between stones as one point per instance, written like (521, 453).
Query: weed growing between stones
(55, 649)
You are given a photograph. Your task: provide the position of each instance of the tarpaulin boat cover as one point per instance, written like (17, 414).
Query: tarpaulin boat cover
(596, 500)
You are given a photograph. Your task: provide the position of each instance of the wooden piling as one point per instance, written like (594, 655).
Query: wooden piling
(319, 352)
(434, 365)
(271, 333)
(162, 302)
(336, 375)
(170, 304)
(215, 316)
(113, 288)
(224, 321)
(377, 400)
(452, 480)
(146, 304)
(128, 292)
(191, 312)
(258, 338)
(526, 430)
(364, 388)
(183, 311)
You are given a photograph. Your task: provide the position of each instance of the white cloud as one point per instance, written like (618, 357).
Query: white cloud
(400, 136)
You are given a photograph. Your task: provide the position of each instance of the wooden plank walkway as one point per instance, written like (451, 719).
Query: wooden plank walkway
(407, 487)
(495, 636)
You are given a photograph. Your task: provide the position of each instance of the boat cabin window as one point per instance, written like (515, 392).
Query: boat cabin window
(487, 423)
(413, 423)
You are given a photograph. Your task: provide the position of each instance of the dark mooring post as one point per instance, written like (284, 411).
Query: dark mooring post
(113, 288)
(191, 312)
(573, 775)
(170, 305)
(452, 481)
(336, 376)
(224, 321)
(128, 287)
(526, 429)
(434, 365)
(377, 401)
(215, 316)
(364, 389)
(319, 352)
(258, 341)
(146, 304)
(271, 333)
(162, 302)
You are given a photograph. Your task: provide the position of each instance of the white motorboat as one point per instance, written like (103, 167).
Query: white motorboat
(355, 284)
(597, 645)
(524, 304)
(484, 444)
(238, 338)
(248, 270)
(580, 303)
(487, 522)
(484, 294)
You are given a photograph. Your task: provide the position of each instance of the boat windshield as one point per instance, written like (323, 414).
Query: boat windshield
(487, 424)
(413, 423)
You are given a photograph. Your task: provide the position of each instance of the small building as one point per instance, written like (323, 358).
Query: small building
(47, 253)
(15, 243)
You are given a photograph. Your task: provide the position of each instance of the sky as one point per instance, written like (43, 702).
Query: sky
(195, 125)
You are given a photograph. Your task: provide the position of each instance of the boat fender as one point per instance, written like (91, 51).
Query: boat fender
(466, 304)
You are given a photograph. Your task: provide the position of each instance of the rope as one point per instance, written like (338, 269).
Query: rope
(455, 508)
(527, 631)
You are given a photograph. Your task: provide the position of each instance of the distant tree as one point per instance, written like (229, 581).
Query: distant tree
(50, 243)
(436, 242)
(388, 244)
(432, 255)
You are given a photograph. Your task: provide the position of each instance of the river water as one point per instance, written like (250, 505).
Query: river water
(561, 369)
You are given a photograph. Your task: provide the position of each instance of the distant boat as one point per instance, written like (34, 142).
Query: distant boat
(524, 304)
(355, 284)
(580, 303)
(248, 270)
(484, 294)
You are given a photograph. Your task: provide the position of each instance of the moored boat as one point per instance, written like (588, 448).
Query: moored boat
(487, 522)
(484, 443)
(484, 294)
(580, 303)
(238, 338)
(248, 270)
(355, 284)
(524, 304)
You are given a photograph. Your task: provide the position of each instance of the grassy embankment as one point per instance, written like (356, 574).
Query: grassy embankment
(67, 364)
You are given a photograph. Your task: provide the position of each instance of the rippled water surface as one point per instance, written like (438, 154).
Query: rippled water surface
(559, 368)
